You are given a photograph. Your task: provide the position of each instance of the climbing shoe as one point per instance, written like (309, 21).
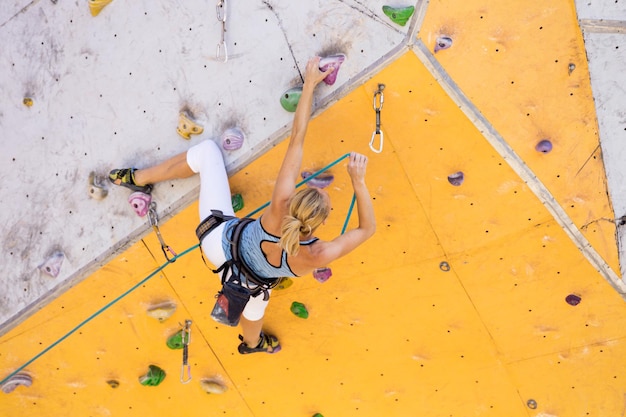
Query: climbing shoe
(267, 344)
(126, 178)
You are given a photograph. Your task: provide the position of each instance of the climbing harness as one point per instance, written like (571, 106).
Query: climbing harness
(221, 53)
(154, 222)
(146, 279)
(186, 339)
(379, 99)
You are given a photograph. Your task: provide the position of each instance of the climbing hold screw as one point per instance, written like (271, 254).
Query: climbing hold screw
(321, 181)
(456, 179)
(52, 265)
(399, 15)
(162, 311)
(290, 98)
(153, 377)
(20, 378)
(299, 310)
(322, 274)
(334, 61)
(544, 146)
(232, 138)
(532, 404)
(442, 42)
(140, 202)
(187, 127)
(28, 102)
(237, 202)
(211, 386)
(572, 299)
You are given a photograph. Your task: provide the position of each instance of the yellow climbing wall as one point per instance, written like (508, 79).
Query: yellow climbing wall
(456, 307)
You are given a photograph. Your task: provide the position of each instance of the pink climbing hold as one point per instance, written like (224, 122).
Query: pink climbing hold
(52, 265)
(140, 202)
(334, 61)
(322, 274)
(232, 138)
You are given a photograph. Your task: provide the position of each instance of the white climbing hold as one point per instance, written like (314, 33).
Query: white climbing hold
(211, 386)
(52, 265)
(162, 311)
(20, 378)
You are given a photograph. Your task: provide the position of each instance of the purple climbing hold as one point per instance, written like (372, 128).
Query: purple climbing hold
(232, 138)
(544, 146)
(52, 265)
(20, 378)
(140, 202)
(572, 299)
(442, 42)
(331, 61)
(322, 274)
(321, 181)
(456, 179)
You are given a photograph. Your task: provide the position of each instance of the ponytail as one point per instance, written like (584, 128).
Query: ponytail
(307, 210)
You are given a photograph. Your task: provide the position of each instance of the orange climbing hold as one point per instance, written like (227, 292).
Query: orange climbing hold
(187, 127)
(96, 6)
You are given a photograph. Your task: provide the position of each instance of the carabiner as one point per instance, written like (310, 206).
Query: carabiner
(219, 55)
(221, 10)
(153, 218)
(380, 146)
(378, 105)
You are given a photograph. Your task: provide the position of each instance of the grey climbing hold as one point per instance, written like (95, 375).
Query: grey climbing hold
(232, 138)
(52, 265)
(442, 42)
(456, 179)
(321, 181)
(20, 378)
(98, 186)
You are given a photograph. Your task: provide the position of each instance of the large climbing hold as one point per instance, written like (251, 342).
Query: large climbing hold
(290, 98)
(52, 265)
(153, 377)
(232, 139)
(20, 378)
(399, 15)
(187, 127)
(96, 6)
(140, 202)
(334, 61)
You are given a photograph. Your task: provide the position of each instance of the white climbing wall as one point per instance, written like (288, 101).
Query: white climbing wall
(106, 92)
(604, 30)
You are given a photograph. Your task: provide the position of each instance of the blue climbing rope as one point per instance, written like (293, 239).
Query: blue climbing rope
(159, 269)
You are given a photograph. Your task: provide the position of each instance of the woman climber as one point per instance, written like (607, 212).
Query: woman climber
(278, 244)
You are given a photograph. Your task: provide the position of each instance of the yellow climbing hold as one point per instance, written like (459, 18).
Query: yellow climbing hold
(212, 386)
(28, 102)
(284, 283)
(187, 127)
(96, 6)
(162, 311)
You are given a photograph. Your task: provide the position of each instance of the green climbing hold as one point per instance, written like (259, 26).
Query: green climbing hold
(237, 202)
(299, 310)
(290, 98)
(153, 378)
(175, 341)
(318, 415)
(399, 15)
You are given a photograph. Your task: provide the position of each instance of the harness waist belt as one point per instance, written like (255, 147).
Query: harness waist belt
(209, 224)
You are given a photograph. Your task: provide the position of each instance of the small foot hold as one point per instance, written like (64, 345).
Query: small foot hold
(284, 283)
(28, 102)
(98, 189)
(20, 378)
(187, 127)
(52, 265)
(140, 202)
(442, 42)
(232, 139)
(321, 181)
(322, 274)
(236, 201)
(162, 311)
(299, 310)
(212, 386)
(334, 61)
(153, 377)
(399, 15)
(96, 6)
(290, 99)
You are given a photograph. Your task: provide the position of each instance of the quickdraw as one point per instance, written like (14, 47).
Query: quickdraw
(222, 52)
(379, 99)
(154, 222)
(186, 339)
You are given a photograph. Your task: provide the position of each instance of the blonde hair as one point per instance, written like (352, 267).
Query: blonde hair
(308, 208)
